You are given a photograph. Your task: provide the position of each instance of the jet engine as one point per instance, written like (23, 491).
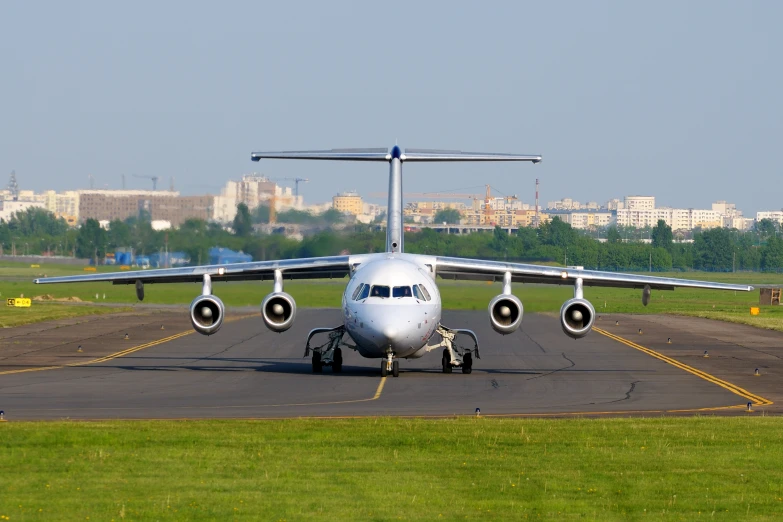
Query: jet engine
(206, 314)
(278, 310)
(576, 317)
(505, 313)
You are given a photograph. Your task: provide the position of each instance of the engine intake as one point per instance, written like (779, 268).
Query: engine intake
(278, 310)
(206, 314)
(505, 313)
(576, 317)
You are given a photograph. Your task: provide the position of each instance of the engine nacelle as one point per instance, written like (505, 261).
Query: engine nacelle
(505, 313)
(577, 317)
(206, 314)
(278, 310)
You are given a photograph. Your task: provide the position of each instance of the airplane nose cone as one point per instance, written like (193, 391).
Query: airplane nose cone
(390, 332)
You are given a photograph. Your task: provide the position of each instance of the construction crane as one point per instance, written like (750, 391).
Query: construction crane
(296, 183)
(153, 178)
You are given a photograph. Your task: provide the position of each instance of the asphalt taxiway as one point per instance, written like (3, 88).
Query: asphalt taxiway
(165, 370)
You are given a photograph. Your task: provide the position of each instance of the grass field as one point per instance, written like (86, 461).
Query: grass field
(394, 469)
(731, 306)
(10, 316)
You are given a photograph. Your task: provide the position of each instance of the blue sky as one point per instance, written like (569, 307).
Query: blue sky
(680, 100)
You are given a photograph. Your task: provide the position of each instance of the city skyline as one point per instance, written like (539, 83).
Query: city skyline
(672, 99)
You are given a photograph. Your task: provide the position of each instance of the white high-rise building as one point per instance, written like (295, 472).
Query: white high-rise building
(639, 202)
(252, 190)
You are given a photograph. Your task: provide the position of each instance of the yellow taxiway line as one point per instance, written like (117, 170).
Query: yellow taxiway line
(756, 399)
(104, 358)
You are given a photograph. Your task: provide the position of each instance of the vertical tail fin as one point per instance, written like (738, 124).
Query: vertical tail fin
(396, 157)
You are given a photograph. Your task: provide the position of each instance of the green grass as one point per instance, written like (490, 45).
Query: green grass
(392, 469)
(12, 316)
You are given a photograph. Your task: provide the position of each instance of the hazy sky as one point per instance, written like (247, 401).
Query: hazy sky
(680, 100)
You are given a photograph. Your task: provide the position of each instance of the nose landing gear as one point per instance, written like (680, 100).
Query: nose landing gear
(390, 365)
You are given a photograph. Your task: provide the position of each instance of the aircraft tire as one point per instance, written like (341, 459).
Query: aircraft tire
(396, 369)
(446, 361)
(337, 361)
(317, 367)
(467, 363)
(384, 371)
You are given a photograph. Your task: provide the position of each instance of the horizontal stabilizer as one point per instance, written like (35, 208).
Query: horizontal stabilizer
(332, 154)
(458, 155)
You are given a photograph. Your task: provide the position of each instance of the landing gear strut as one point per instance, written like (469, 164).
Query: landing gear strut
(453, 354)
(329, 353)
(390, 364)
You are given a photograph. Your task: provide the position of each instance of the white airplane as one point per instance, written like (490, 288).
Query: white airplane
(391, 305)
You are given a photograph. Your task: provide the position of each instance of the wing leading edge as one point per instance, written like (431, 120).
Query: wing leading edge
(309, 268)
(478, 270)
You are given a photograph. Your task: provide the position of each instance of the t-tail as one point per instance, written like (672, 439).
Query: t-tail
(396, 157)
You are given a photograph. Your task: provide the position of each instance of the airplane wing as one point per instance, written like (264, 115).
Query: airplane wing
(477, 270)
(309, 268)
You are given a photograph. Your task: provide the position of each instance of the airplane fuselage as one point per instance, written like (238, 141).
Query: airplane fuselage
(391, 305)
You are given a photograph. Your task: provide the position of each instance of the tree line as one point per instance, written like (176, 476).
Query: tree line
(36, 231)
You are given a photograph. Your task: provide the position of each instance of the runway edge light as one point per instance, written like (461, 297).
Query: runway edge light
(750, 406)
(2, 416)
(478, 412)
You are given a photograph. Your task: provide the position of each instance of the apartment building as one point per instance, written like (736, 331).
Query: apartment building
(348, 203)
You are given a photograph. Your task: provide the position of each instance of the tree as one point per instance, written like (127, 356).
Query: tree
(91, 241)
(772, 255)
(243, 225)
(447, 215)
(613, 235)
(662, 235)
(261, 214)
(713, 250)
(332, 216)
(766, 228)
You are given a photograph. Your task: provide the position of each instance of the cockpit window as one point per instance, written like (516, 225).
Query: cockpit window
(379, 291)
(401, 291)
(425, 292)
(417, 293)
(356, 292)
(364, 293)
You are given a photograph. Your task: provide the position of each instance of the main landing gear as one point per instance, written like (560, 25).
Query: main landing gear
(454, 355)
(329, 353)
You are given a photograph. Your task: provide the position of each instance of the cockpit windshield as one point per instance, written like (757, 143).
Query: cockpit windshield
(401, 291)
(379, 291)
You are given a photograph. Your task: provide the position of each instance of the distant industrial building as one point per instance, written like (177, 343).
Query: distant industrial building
(156, 205)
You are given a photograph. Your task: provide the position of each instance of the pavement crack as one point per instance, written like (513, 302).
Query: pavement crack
(571, 365)
(533, 341)
(627, 394)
